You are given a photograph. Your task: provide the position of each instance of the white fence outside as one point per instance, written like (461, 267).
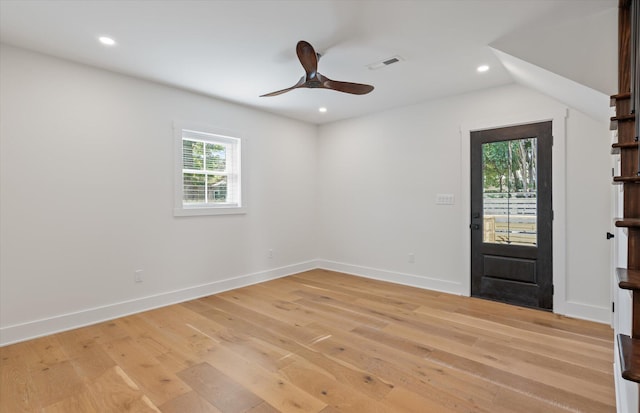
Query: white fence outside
(510, 220)
(509, 206)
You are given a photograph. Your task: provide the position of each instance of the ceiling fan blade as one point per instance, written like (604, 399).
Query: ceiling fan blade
(279, 92)
(346, 87)
(308, 58)
(312, 79)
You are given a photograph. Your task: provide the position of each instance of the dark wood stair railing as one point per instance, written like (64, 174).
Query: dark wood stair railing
(616, 147)
(628, 223)
(628, 279)
(627, 104)
(629, 348)
(623, 118)
(615, 120)
(626, 179)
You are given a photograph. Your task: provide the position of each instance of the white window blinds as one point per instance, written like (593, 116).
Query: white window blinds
(210, 170)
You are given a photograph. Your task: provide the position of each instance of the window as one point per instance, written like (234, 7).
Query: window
(207, 173)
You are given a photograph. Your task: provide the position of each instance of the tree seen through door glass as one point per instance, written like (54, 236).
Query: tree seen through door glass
(509, 192)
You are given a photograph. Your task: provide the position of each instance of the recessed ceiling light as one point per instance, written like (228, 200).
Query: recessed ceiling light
(107, 41)
(482, 68)
(322, 109)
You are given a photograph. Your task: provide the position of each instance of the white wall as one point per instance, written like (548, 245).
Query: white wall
(571, 47)
(379, 176)
(87, 197)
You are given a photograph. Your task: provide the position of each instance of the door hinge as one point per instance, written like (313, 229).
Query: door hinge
(553, 215)
(613, 307)
(553, 289)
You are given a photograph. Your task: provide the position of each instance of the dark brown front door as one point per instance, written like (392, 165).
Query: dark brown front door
(511, 215)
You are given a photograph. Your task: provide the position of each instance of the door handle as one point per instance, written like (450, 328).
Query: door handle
(474, 226)
(610, 235)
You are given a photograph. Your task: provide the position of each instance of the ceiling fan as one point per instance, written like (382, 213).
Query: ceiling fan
(313, 79)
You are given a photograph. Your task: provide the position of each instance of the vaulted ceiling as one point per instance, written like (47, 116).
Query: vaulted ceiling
(237, 50)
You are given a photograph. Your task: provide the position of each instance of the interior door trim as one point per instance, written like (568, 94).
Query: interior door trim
(558, 117)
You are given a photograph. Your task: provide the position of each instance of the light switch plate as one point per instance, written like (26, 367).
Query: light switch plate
(444, 199)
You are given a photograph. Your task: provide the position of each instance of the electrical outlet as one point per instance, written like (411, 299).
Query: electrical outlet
(137, 276)
(270, 254)
(412, 258)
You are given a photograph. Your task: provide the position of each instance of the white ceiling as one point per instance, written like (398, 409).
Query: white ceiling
(237, 50)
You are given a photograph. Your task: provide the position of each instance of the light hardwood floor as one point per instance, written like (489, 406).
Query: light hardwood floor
(318, 341)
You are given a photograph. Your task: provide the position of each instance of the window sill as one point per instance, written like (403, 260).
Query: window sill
(188, 212)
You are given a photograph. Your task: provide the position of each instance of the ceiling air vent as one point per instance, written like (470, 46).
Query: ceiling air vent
(386, 62)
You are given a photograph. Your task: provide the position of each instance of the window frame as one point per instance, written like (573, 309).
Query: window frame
(208, 134)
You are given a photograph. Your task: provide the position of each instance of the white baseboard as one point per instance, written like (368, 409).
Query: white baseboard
(587, 312)
(38, 328)
(392, 276)
(569, 308)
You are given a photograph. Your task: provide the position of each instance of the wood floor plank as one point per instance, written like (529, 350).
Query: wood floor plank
(76, 403)
(339, 316)
(351, 293)
(319, 383)
(600, 340)
(263, 407)
(86, 355)
(115, 391)
(56, 382)
(329, 280)
(508, 401)
(219, 389)
(159, 384)
(48, 350)
(521, 383)
(501, 366)
(357, 352)
(520, 359)
(278, 309)
(318, 342)
(389, 314)
(414, 358)
(17, 390)
(350, 377)
(261, 353)
(158, 344)
(574, 351)
(188, 402)
(408, 401)
(272, 388)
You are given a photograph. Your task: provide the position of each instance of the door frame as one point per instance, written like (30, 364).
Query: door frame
(558, 119)
(533, 262)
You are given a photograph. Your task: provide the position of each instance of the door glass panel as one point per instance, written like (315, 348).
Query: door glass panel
(509, 192)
